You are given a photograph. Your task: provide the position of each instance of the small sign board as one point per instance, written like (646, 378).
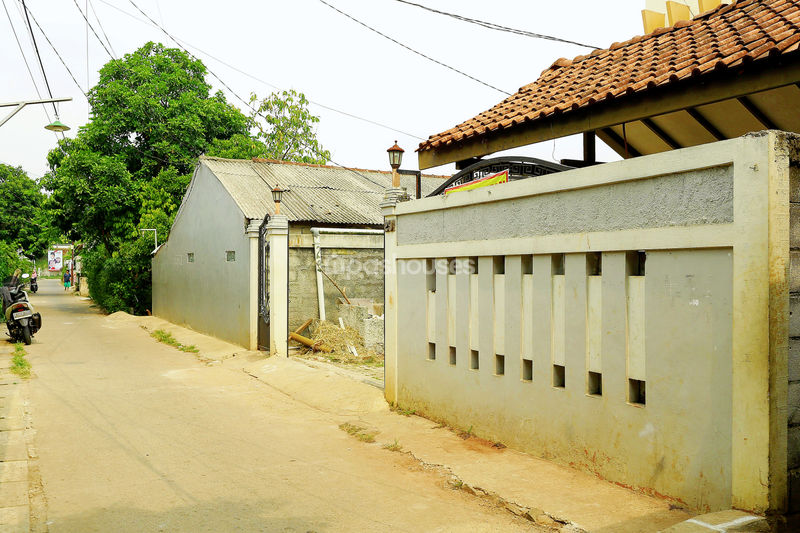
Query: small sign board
(493, 179)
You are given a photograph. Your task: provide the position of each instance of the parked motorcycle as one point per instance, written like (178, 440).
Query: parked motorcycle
(34, 285)
(22, 319)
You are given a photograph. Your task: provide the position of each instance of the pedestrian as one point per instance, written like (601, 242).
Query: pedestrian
(67, 280)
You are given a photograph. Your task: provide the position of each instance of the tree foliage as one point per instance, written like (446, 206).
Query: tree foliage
(152, 115)
(22, 222)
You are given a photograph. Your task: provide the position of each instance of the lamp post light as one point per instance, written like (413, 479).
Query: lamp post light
(55, 126)
(395, 158)
(277, 194)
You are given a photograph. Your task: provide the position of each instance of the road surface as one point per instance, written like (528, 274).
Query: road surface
(133, 435)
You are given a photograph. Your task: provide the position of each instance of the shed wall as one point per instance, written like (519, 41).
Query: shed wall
(211, 294)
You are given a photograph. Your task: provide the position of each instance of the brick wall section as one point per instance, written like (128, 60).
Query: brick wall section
(793, 462)
(358, 271)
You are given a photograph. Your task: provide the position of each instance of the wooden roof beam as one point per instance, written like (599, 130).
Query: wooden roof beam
(661, 134)
(757, 113)
(617, 143)
(703, 121)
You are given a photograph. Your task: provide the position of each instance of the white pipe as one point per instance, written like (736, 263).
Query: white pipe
(348, 230)
(317, 263)
(318, 257)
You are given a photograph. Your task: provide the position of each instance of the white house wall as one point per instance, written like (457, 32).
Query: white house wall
(210, 295)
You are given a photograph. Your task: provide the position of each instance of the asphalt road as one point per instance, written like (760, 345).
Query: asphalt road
(133, 435)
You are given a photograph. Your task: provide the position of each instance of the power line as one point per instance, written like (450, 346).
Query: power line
(78, 85)
(247, 103)
(25, 59)
(268, 84)
(36, 48)
(370, 28)
(91, 5)
(92, 28)
(497, 27)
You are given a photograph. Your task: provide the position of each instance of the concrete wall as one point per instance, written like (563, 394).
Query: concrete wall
(355, 262)
(629, 319)
(210, 295)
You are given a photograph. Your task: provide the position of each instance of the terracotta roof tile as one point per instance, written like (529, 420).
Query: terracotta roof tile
(728, 36)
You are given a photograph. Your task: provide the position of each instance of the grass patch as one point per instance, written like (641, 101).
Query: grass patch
(399, 410)
(19, 365)
(166, 337)
(358, 432)
(393, 447)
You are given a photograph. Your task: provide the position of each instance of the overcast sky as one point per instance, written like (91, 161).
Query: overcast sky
(307, 46)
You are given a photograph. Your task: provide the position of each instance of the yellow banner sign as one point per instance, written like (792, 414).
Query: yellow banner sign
(493, 179)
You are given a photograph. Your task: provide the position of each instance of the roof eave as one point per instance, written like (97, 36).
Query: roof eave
(714, 87)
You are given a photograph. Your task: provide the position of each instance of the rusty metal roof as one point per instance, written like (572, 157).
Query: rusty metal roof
(314, 193)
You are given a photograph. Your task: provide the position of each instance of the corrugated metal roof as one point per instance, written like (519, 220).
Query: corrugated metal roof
(315, 193)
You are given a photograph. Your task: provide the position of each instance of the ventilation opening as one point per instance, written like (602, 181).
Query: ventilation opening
(558, 376)
(230, 256)
(431, 351)
(557, 264)
(474, 361)
(430, 274)
(527, 370)
(499, 264)
(636, 392)
(594, 264)
(190, 257)
(595, 384)
(453, 355)
(527, 264)
(636, 263)
(499, 365)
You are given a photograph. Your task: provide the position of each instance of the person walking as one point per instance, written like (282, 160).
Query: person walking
(67, 280)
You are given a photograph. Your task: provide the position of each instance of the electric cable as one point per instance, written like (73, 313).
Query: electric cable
(247, 103)
(102, 29)
(498, 27)
(268, 84)
(25, 59)
(92, 28)
(36, 48)
(370, 28)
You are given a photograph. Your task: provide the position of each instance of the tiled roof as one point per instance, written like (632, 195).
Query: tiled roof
(739, 34)
(316, 193)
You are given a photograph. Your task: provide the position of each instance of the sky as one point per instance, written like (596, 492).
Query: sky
(261, 46)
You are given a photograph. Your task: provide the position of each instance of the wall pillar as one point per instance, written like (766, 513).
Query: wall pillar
(390, 294)
(278, 283)
(252, 234)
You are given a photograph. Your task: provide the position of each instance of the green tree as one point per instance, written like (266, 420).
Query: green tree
(21, 220)
(152, 115)
(285, 126)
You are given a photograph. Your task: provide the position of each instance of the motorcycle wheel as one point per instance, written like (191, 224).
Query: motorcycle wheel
(26, 334)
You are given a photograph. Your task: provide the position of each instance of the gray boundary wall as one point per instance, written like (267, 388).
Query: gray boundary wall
(210, 294)
(629, 319)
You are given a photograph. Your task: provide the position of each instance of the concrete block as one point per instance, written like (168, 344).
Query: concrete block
(794, 403)
(794, 183)
(793, 451)
(794, 226)
(794, 359)
(15, 519)
(13, 471)
(373, 333)
(794, 490)
(794, 271)
(794, 315)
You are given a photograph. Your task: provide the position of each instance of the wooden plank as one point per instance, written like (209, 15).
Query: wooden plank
(652, 20)
(677, 12)
(757, 113)
(661, 134)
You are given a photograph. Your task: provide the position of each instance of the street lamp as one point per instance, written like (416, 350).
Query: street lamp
(277, 194)
(395, 158)
(55, 126)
